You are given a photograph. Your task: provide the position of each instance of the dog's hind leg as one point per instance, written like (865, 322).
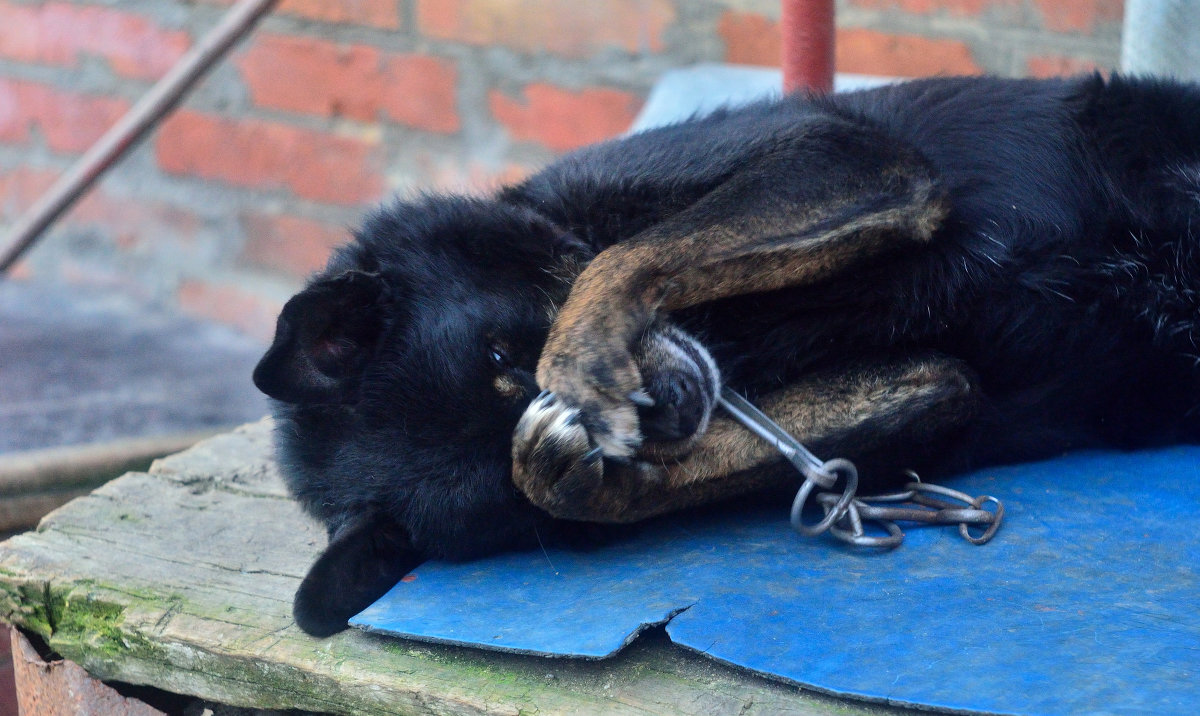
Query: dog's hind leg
(896, 408)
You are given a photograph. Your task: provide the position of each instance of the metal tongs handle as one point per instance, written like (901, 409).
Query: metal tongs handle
(817, 473)
(758, 423)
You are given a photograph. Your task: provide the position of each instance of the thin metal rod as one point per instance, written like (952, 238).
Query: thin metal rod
(754, 420)
(131, 128)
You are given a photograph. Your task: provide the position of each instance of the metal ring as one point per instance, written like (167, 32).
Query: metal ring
(943, 491)
(894, 538)
(990, 532)
(852, 515)
(965, 516)
(891, 497)
(836, 466)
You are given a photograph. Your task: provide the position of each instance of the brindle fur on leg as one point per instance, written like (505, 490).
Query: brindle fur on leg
(749, 235)
(855, 411)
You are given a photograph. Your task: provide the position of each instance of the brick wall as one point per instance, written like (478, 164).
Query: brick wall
(336, 104)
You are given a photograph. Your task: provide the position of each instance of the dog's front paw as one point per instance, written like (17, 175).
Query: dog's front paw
(604, 387)
(555, 463)
(560, 469)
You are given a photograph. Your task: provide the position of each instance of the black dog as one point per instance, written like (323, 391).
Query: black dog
(934, 275)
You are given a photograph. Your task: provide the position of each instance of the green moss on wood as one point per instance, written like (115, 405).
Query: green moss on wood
(24, 603)
(87, 621)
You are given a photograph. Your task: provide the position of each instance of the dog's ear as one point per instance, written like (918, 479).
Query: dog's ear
(364, 559)
(569, 256)
(324, 335)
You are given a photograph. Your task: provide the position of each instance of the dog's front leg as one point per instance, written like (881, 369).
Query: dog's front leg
(892, 408)
(814, 211)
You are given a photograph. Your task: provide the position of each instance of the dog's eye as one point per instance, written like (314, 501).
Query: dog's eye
(498, 357)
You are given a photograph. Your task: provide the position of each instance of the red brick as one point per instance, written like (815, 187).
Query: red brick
(870, 52)
(440, 172)
(561, 119)
(372, 13)
(128, 222)
(22, 270)
(1058, 65)
(291, 244)
(20, 187)
(135, 224)
(231, 304)
(268, 155)
(58, 33)
(1079, 16)
(957, 8)
(303, 74)
(70, 122)
(750, 39)
(563, 27)
(85, 271)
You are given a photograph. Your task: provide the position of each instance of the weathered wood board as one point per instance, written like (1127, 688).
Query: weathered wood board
(181, 578)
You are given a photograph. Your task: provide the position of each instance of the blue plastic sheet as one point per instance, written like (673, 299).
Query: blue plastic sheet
(1088, 599)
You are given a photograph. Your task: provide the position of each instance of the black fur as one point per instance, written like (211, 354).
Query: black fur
(1065, 276)
(366, 556)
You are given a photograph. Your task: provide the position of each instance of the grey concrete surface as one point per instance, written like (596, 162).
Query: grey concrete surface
(81, 366)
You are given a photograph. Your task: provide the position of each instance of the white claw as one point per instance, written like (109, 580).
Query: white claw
(641, 398)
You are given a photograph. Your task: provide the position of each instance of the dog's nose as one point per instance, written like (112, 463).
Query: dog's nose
(678, 410)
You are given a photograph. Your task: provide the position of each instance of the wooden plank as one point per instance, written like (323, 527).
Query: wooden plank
(35, 482)
(181, 578)
(72, 466)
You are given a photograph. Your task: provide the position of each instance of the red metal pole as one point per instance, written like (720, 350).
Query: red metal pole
(126, 133)
(807, 27)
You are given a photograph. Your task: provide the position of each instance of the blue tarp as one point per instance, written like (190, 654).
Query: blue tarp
(1088, 599)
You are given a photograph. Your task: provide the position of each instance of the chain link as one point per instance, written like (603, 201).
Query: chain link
(845, 512)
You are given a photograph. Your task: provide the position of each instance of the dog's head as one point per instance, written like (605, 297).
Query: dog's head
(399, 374)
